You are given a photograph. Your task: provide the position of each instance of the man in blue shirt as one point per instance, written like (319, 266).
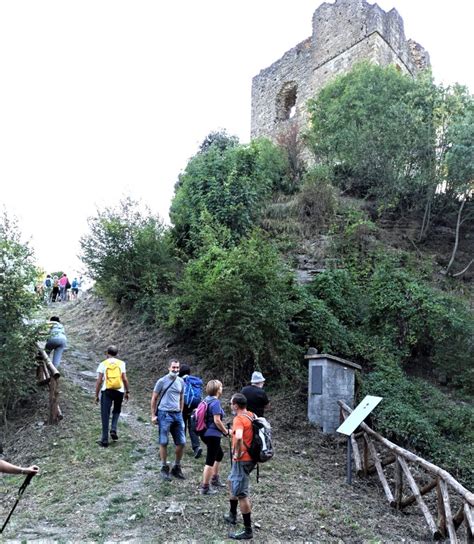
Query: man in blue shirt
(167, 403)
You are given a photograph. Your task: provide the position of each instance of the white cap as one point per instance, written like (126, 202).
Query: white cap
(257, 377)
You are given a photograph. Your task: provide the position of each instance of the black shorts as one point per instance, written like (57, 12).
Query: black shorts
(214, 449)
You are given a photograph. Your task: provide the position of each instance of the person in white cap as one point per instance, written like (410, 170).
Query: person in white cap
(256, 397)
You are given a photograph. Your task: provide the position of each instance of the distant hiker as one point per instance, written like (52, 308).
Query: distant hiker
(167, 402)
(68, 286)
(74, 289)
(8, 468)
(62, 287)
(256, 397)
(242, 466)
(55, 292)
(48, 288)
(215, 429)
(57, 340)
(112, 385)
(192, 397)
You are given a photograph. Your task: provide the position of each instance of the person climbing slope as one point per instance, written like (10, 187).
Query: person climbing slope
(112, 388)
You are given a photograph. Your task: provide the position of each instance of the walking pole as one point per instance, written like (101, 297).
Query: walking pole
(230, 443)
(24, 485)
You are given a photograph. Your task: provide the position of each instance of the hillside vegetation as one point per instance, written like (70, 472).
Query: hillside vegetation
(381, 218)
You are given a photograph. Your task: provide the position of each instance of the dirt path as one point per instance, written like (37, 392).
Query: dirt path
(87, 493)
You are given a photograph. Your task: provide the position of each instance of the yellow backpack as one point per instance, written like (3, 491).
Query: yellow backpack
(113, 374)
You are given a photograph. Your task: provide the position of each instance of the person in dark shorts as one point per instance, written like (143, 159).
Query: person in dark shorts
(242, 466)
(257, 399)
(212, 438)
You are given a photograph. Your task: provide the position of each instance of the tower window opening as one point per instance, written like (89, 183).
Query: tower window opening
(286, 101)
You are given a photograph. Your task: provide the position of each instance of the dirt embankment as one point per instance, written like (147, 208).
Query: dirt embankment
(86, 493)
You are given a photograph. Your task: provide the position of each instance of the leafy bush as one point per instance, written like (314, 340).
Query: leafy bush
(235, 305)
(418, 321)
(418, 416)
(228, 184)
(17, 306)
(130, 256)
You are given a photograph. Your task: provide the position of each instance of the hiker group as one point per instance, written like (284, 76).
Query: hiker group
(177, 408)
(59, 289)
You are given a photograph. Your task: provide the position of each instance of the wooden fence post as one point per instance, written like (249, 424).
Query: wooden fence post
(50, 376)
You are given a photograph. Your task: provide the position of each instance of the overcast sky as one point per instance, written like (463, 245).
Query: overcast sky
(102, 99)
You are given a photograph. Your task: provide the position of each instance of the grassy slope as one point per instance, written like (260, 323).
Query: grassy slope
(86, 493)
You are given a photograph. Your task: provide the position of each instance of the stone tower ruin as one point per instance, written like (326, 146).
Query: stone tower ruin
(344, 33)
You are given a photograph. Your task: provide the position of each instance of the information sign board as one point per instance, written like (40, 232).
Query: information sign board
(358, 415)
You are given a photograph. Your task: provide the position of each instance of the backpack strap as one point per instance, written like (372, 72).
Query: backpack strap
(164, 393)
(251, 419)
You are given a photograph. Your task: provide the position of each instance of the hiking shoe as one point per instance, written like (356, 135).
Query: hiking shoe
(103, 444)
(217, 482)
(165, 473)
(231, 518)
(177, 472)
(246, 534)
(207, 490)
(197, 453)
(114, 435)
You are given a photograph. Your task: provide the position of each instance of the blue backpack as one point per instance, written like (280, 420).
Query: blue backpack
(192, 391)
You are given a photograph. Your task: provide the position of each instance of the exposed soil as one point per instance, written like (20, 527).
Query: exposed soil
(87, 493)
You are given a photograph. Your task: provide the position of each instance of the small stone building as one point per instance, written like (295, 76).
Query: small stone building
(344, 33)
(330, 379)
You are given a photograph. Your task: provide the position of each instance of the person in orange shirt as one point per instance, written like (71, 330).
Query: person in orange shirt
(242, 466)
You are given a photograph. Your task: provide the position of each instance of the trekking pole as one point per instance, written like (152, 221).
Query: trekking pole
(230, 443)
(24, 485)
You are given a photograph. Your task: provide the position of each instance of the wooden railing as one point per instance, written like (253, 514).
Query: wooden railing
(369, 462)
(48, 374)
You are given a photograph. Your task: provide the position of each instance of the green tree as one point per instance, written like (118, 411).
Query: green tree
(452, 111)
(460, 174)
(374, 128)
(129, 255)
(225, 184)
(18, 303)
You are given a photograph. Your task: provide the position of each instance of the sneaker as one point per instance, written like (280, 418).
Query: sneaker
(165, 473)
(177, 472)
(231, 518)
(113, 435)
(217, 482)
(207, 490)
(103, 444)
(246, 534)
(197, 453)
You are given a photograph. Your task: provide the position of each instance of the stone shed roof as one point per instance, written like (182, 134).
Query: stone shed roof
(333, 359)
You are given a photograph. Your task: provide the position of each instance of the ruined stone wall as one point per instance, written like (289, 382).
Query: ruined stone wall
(344, 33)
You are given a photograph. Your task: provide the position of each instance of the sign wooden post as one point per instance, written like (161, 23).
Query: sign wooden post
(362, 410)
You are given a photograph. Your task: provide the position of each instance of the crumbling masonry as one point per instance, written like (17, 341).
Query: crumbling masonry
(344, 33)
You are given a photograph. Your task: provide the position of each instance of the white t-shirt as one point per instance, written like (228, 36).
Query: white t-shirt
(101, 370)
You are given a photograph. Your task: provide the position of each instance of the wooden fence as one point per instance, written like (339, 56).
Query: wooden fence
(449, 519)
(48, 374)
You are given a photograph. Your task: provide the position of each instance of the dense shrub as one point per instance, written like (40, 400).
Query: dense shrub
(418, 416)
(419, 321)
(17, 306)
(317, 202)
(236, 305)
(227, 185)
(130, 256)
